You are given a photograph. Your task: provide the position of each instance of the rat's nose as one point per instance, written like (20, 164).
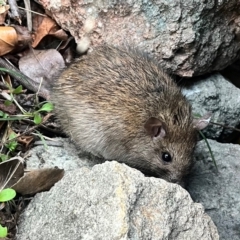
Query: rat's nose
(178, 181)
(174, 180)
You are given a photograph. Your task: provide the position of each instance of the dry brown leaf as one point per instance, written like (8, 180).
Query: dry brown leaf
(60, 34)
(45, 64)
(44, 26)
(7, 80)
(8, 40)
(3, 12)
(11, 109)
(10, 172)
(13, 38)
(38, 180)
(26, 140)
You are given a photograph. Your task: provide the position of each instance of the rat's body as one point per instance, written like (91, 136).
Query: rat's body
(119, 105)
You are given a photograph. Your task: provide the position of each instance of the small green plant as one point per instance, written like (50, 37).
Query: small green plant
(10, 145)
(46, 107)
(3, 231)
(210, 150)
(11, 142)
(3, 115)
(36, 115)
(207, 118)
(5, 196)
(4, 157)
(11, 171)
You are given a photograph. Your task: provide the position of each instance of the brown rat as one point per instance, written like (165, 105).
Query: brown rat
(119, 105)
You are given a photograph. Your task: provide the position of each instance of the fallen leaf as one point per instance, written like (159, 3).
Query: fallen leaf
(10, 109)
(26, 140)
(43, 26)
(10, 172)
(8, 81)
(45, 65)
(13, 38)
(35, 181)
(8, 40)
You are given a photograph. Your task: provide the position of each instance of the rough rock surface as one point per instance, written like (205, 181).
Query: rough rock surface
(65, 156)
(219, 96)
(219, 193)
(187, 37)
(114, 201)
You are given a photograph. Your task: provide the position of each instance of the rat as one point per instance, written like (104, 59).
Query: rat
(117, 104)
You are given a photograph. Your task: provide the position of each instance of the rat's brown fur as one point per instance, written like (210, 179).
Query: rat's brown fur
(103, 101)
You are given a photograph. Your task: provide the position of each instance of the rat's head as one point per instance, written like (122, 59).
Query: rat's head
(168, 149)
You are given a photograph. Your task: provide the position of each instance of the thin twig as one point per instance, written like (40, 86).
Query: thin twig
(29, 15)
(225, 126)
(23, 79)
(37, 13)
(14, 10)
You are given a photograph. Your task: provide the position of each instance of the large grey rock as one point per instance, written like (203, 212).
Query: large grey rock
(187, 37)
(222, 98)
(219, 193)
(113, 201)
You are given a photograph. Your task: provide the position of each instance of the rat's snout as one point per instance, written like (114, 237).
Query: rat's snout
(178, 179)
(179, 182)
(182, 184)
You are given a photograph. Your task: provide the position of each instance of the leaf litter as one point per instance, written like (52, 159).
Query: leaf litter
(34, 48)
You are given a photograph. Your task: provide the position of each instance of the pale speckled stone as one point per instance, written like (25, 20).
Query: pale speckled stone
(114, 201)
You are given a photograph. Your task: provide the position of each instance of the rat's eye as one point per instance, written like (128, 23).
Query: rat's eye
(166, 157)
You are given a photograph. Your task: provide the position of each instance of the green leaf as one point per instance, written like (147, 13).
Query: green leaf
(4, 157)
(7, 103)
(197, 115)
(210, 150)
(37, 118)
(12, 135)
(7, 194)
(17, 90)
(3, 231)
(48, 107)
(12, 145)
(3, 115)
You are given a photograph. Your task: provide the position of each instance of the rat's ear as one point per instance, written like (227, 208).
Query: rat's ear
(154, 127)
(201, 123)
